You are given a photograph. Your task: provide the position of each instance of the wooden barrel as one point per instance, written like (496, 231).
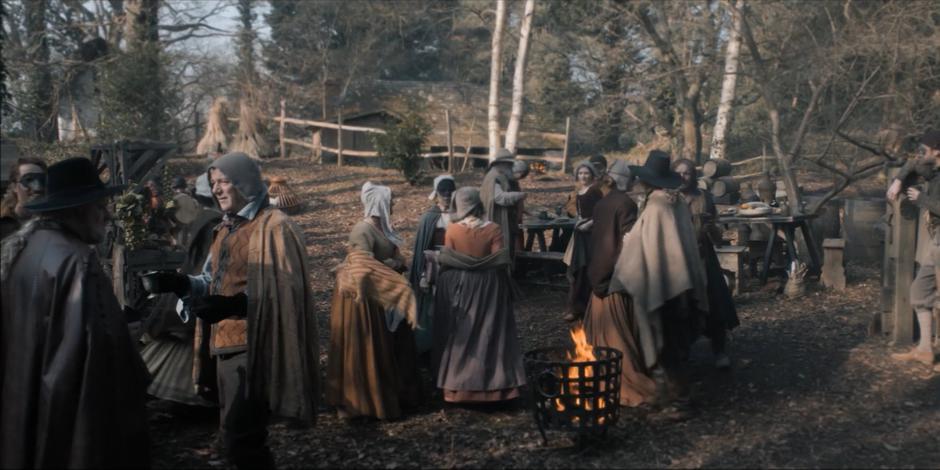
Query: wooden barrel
(725, 185)
(716, 168)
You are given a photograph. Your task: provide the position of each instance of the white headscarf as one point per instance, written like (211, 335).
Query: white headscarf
(377, 202)
(437, 181)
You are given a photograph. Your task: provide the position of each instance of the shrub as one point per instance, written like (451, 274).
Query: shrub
(400, 146)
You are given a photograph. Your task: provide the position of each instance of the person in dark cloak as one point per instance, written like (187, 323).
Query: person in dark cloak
(72, 383)
(610, 320)
(476, 355)
(722, 315)
(255, 319)
(499, 202)
(577, 255)
(430, 236)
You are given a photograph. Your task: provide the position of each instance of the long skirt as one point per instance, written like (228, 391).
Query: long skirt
(371, 371)
(609, 321)
(578, 258)
(476, 352)
(169, 359)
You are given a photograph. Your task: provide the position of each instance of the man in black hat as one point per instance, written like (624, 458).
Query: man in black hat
(73, 384)
(659, 268)
(926, 285)
(499, 202)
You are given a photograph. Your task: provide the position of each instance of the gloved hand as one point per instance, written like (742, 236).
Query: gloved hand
(214, 308)
(161, 282)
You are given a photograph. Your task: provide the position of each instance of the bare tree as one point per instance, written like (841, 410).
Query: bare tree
(495, 69)
(518, 79)
(726, 102)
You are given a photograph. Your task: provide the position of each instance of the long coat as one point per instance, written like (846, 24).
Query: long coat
(73, 384)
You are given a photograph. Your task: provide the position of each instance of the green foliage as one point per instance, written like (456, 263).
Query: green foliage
(129, 212)
(134, 95)
(400, 146)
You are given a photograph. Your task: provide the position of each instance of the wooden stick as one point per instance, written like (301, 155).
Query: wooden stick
(281, 130)
(564, 155)
(339, 140)
(466, 154)
(450, 142)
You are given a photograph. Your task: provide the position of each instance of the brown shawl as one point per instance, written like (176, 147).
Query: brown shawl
(659, 262)
(363, 276)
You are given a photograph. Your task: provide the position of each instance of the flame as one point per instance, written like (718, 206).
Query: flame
(583, 352)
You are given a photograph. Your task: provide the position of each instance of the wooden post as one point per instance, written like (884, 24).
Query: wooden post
(833, 270)
(281, 130)
(450, 143)
(317, 146)
(904, 238)
(339, 139)
(564, 154)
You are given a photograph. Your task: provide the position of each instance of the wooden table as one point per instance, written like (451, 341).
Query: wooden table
(535, 228)
(788, 224)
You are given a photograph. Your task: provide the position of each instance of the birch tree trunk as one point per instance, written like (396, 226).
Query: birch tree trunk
(723, 119)
(518, 79)
(495, 67)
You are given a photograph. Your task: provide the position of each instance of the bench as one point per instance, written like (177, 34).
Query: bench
(731, 259)
(544, 259)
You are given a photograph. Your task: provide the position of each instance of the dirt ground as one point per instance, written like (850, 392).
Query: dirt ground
(808, 388)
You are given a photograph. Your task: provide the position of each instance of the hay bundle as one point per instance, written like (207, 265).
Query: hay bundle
(215, 140)
(250, 139)
(282, 196)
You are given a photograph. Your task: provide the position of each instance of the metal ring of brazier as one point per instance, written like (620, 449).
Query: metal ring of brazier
(587, 405)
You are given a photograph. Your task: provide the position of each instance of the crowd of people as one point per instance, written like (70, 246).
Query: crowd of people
(641, 263)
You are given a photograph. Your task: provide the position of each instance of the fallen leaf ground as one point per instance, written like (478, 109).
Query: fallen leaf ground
(809, 387)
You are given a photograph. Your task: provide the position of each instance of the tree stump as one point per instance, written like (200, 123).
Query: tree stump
(833, 271)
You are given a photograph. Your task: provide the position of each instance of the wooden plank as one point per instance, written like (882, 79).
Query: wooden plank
(904, 227)
(328, 125)
(281, 130)
(317, 148)
(450, 142)
(545, 135)
(564, 157)
(339, 140)
(299, 142)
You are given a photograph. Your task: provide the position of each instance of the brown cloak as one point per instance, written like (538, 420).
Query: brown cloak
(73, 384)
(283, 348)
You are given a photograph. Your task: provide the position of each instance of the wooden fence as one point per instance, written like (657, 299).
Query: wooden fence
(315, 143)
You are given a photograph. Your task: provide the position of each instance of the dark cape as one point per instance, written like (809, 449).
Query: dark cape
(501, 215)
(73, 384)
(424, 240)
(476, 351)
(579, 292)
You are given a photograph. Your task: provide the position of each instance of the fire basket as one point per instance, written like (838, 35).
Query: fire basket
(579, 393)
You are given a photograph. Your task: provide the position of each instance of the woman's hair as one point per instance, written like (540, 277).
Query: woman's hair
(8, 204)
(15, 167)
(685, 161)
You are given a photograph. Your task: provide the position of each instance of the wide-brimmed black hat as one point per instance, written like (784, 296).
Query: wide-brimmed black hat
(71, 183)
(656, 171)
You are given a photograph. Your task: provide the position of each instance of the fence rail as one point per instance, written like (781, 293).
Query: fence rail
(316, 145)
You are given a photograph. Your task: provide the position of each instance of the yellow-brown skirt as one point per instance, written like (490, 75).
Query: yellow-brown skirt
(371, 371)
(609, 322)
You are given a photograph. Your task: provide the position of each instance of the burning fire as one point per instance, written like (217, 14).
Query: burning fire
(583, 352)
